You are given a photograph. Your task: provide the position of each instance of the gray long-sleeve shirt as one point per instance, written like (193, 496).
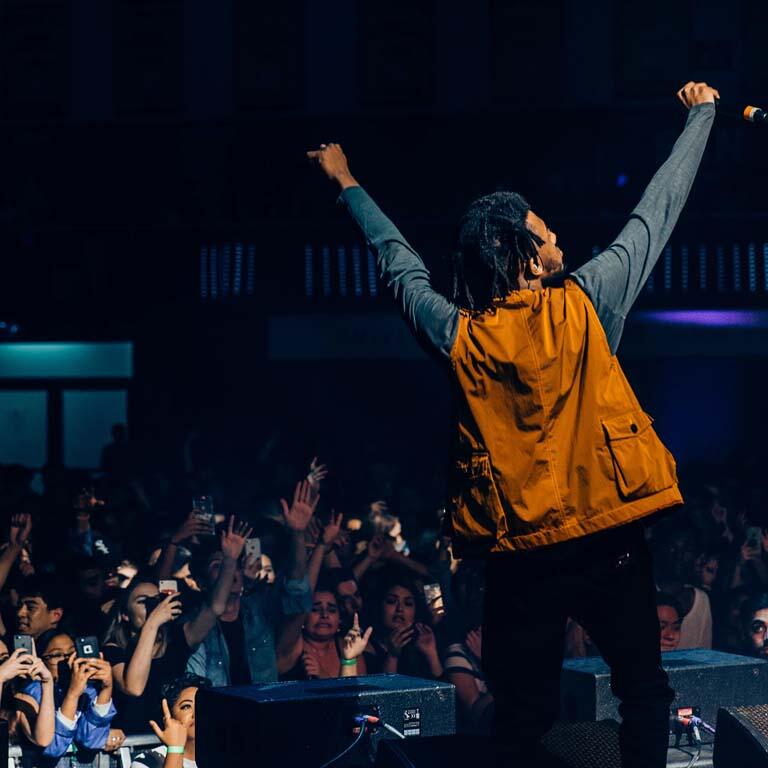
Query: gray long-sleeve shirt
(613, 279)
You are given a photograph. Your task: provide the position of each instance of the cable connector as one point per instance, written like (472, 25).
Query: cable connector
(377, 722)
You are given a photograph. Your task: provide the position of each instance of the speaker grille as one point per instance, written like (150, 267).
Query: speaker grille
(585, 745)
(757, 716)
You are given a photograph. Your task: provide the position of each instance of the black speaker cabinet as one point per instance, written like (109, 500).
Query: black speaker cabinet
(572, 745)
(306, 723)
(701, 679)
(742, 738)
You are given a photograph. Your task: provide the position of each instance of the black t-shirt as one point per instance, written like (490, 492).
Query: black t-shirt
(135, 712)
(234, 634)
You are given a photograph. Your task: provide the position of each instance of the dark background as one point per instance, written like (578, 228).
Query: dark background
(137, 136)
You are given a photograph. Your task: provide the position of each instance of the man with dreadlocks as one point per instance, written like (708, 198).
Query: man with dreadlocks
(555, 463)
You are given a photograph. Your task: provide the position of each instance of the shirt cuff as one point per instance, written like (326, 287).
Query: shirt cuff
(68, 724)
(102, 710)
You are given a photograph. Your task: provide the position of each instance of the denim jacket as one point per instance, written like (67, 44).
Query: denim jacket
(90, 730)
(260, 611)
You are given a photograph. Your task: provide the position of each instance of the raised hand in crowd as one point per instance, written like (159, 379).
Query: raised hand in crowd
(233, 539)
(380, 547)
(168, 609)
(19, 663)
(191, 527)
(317, 472)
(174, 735)
(427, 646)
(21, 527)
(101, 673)
(37, 718)
(352, 648)
(398, 639)
(474, 641)
(299, 513)
(188, 531)
(329, 533)
(82, 671)
(332, 529)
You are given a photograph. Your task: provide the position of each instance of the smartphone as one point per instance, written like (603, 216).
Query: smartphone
(27, 642)
(168, 586)
(754, 536)
(87, 647)
(202, 507)
(253, 547)
(433, 594)
(150, 603)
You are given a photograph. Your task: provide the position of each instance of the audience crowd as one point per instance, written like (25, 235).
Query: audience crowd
(118, 602)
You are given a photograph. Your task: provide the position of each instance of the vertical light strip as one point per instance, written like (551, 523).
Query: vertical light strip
(357, 277)
(326, 256)
(237, 279)
(341, 257)
(203, 271)
(309, 278)
(250, 270)
(372, 287)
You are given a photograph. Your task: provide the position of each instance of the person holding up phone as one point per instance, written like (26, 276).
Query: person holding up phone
(82, 690)
(241, 648)
(21, 666)
(145, 643)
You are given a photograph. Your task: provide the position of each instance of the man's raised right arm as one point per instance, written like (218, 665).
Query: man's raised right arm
(430, 316)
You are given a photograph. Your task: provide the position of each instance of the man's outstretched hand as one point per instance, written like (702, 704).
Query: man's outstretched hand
(333, 161)
(692, 94)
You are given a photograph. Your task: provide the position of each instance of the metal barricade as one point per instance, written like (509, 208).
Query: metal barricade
(120, 758)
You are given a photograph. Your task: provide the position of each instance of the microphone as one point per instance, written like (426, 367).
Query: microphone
(749, 113)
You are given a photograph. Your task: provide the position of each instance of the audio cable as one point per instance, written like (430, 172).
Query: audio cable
(365, 721)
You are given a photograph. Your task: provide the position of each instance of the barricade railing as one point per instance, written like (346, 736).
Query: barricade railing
(120, 758)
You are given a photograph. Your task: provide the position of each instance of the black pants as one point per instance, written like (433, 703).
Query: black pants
(604, 581)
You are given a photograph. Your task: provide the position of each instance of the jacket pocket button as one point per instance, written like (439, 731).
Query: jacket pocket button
(633, 427)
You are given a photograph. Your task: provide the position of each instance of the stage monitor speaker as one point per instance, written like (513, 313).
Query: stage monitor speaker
(306, 723)
(3, 742)
(703, 680)
(742, 738)
(571, 745)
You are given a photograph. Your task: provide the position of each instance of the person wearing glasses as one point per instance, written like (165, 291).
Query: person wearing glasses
(82, 694)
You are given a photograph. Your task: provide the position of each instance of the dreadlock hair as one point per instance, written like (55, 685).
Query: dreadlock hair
(493, 245)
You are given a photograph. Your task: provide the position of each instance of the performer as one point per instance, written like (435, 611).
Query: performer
(555, 462)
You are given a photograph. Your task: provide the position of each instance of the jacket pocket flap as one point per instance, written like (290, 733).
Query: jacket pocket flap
(626, 425)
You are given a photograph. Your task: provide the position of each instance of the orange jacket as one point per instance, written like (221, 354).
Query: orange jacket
(552, 442)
